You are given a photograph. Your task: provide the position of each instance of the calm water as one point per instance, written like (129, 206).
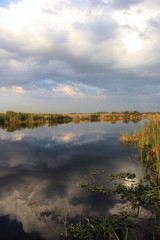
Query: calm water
(40, 170)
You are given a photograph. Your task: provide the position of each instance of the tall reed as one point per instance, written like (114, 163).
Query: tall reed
(148, 142)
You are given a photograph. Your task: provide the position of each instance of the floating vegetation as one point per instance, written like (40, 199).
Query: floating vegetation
(93, 187)
(122, 175)
(98, 172)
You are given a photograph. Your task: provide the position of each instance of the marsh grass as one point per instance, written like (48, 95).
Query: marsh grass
(148, 142)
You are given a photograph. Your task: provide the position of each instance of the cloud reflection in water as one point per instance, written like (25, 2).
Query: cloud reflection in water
(41, 172)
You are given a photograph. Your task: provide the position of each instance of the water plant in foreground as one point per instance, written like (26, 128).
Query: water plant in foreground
(124, 225)
(101, 228)
(143, 195)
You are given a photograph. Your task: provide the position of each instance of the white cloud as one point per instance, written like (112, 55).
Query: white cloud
(13, 90)
(67, 91)
(132, 42)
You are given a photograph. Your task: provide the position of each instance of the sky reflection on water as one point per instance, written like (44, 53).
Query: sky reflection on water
(40, 170)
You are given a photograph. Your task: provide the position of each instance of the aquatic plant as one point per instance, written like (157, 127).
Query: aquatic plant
(144, 194)
(114, 228)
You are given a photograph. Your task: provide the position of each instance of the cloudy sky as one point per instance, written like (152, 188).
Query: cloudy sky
(79, 55)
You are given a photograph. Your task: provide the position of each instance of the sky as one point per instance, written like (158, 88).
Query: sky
(79, 55)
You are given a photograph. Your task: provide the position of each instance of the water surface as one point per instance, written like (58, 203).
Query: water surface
(40, 172)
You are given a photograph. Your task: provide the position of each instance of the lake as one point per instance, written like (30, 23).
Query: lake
(40, 172)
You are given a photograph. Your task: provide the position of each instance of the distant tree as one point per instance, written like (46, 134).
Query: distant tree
(136, 113)
(2, 118)
(126, 114)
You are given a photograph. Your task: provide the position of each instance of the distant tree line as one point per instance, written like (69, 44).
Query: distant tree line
(11, 117)
(15, 118)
